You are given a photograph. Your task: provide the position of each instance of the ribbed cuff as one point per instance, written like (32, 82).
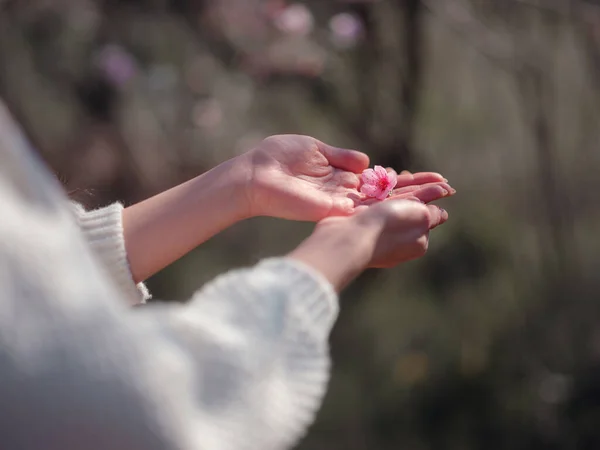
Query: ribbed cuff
(288, 309)
(315, 307)
(103, 230)
(315, 300)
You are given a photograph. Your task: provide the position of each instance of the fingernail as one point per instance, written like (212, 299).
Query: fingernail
(444, 192)
(446, 180)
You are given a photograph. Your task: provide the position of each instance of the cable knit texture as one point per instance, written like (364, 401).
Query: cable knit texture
(243, 365)
(103, 230)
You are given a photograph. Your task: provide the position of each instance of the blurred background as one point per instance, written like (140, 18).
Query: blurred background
(492, 341)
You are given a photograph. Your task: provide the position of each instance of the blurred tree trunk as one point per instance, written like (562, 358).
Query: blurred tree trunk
(18, 85)
(403, 154)
(399, 151)
(529, 64)
(587, 19)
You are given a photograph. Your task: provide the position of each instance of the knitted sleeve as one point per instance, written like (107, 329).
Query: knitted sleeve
(103, 230)
(253, 349)
(242, 366)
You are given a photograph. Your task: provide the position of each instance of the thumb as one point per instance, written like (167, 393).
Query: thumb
(344, 159)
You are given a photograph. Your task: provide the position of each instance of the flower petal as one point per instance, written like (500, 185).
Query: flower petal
(380, 171)
(370, 189)
(369, 176)
(393, 179)
(383, 195)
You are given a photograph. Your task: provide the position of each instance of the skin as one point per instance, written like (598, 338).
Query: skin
(290, 177)
(381, 236)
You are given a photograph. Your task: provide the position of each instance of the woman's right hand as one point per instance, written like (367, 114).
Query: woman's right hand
(401, 229)
(382, 235)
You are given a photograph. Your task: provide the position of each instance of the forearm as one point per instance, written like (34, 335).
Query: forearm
(162, 229)
(337, 255)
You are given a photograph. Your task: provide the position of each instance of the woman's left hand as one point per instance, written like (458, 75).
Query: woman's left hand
(300, 178)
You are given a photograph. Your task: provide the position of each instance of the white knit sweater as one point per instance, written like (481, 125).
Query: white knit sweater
(243, 365)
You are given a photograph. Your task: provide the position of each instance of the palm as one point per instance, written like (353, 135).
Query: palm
(301, 178)
(294, 179)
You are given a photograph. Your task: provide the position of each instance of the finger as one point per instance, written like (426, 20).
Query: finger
(368, 201)
(400, 201)
(342, 206)
(433, 191)
(346, 179)
(408, 195)
(430, 193)
(411, 179)
(445, 216)
(360, 209)
(391, 172)
(424, 193)
(412, 198)
(437, 216)
(341, 158)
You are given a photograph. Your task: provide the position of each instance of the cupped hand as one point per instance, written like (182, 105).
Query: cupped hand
(427, 187)
(396, 230)
(404, 225)
(383, 235)
(301, 178)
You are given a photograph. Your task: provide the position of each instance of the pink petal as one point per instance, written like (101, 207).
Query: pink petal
(370, 190)
(393, 179)
(378, 183)
(369, 176)
(383, 195)
(381, 172)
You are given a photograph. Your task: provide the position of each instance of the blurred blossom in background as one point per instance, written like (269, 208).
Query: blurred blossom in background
(492, 341)
(116, 64)
(346, 29)
(295, 19)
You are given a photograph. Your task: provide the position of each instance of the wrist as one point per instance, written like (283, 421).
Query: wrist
(339, 250)
(163, 228)
(253, 185)
(220, 193)
(236, 192)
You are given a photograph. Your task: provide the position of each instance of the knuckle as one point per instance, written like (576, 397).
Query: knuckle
(422, 245)
(422, 215)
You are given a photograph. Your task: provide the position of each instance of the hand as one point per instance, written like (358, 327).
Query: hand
(300, 178)
(383, 235)
(398, 228)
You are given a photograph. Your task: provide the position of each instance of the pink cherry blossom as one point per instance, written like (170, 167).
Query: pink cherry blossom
(378, 183)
